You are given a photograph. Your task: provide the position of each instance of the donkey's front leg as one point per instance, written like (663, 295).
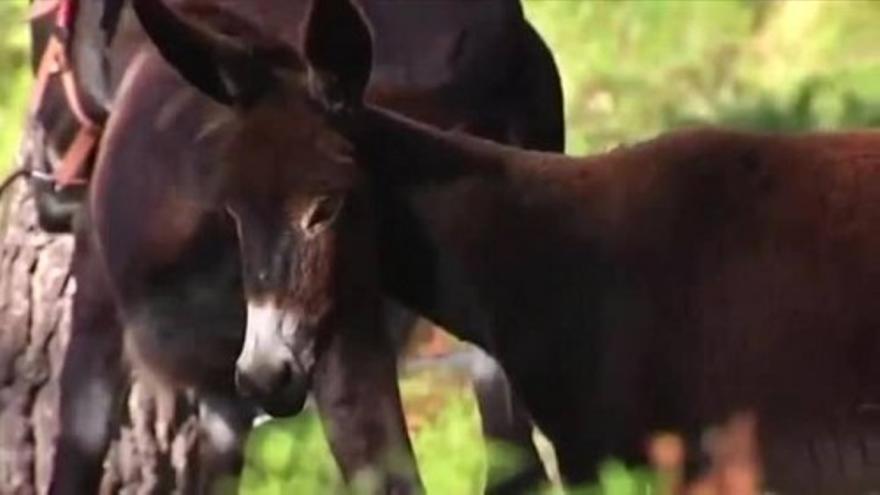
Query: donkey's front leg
(506, 422)
(225, 421)
(355, 389)
(91, 381)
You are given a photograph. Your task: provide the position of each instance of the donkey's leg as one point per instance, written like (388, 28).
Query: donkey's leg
(225, 422)
(506, 422)
(356, 392)
(584, 431)
(91, 380)
(504, 417)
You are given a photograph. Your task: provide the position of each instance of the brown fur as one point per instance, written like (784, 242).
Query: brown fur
(158, 252)
(661, 286)
(664, 285)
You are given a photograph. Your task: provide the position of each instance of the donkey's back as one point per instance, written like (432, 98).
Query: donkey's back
(747, 266)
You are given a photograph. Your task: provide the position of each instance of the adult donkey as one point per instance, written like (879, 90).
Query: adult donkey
(666, 285)
(157, 252)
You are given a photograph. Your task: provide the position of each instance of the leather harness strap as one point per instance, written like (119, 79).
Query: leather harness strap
(54, 62)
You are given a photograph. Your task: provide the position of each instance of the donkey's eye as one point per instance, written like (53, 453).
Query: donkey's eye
(321, 213)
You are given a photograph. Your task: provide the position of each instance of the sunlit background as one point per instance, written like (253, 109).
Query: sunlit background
(631, 69)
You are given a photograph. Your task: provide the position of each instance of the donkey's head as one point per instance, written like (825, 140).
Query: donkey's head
(291, 182)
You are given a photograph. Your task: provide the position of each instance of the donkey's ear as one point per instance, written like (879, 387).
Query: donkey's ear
(218, 65)
(338, 47)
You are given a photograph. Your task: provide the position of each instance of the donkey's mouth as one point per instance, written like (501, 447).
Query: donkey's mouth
(276, 362)
(289, 400)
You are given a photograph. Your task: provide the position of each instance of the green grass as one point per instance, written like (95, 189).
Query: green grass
(291, 455)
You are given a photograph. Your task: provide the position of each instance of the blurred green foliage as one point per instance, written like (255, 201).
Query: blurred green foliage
(631, 69)
(291, 455)
(14, 77)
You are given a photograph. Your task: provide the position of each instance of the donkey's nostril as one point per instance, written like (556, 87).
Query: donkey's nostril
(282, 378)
(281, 392)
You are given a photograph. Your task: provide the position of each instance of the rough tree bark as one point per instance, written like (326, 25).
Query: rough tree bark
(155, 449)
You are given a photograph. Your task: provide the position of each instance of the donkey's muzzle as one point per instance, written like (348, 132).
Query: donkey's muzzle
(267, 370)
(279, 392)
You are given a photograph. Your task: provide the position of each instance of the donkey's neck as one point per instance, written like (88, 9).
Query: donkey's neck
(467, 225)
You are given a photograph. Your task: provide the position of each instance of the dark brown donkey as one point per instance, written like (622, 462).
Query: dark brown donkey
(662, 286)
(158, 252)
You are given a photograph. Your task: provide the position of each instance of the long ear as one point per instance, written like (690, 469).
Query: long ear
(338, 47)
(220, 66)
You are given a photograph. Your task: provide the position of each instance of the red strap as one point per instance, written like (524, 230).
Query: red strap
(54, 61)
(48, 66)
(66, 14)
(71, 91)
(72, 166)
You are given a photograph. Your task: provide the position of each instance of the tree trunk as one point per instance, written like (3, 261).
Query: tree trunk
(155, 449)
